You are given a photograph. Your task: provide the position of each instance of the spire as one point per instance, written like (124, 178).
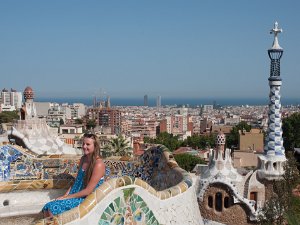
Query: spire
(276, 31)
(272, 161)
(220, 142)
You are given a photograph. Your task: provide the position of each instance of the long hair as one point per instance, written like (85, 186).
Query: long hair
(95, 155)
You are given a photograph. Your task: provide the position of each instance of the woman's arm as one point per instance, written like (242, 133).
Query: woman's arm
(98, 173)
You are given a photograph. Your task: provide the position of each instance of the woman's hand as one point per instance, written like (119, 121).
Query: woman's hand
(61, 197)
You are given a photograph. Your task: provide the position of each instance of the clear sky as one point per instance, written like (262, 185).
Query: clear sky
(128, 48)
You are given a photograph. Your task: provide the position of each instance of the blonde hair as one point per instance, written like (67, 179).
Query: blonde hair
(95, 155)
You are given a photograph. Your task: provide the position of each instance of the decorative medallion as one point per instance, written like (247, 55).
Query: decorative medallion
(129, 209)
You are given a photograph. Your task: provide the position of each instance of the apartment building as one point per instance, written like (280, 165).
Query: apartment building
(10, 100)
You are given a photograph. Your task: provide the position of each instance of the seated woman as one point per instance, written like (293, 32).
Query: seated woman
(90, 176)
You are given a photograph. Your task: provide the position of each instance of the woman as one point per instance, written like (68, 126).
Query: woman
(90, 175)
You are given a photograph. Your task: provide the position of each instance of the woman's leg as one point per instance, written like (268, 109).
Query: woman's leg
(47, 213)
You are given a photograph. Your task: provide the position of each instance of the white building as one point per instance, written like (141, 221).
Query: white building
(5, 97)
(7, 107)
(56, 114)
(77, 110)
(208, 108)
(11, 98)
(16, 99)
(42, 108)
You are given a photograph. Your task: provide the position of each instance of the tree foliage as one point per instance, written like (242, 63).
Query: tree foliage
(61, 122)
(172, 142)
(90, 124)
(187, 161)
(78, 121)
(117, 147)
(8, 116)
(291, 132)
(200, 141)
(233, 137)
(283, 206)
(169, 140)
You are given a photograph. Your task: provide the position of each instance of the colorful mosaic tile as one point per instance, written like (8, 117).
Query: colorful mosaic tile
(152, 167)
(128, 209)
(14, 165)
(7, 155)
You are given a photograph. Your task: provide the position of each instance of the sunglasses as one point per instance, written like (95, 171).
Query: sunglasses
(90, 135)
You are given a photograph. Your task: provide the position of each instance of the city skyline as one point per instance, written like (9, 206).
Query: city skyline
(171, 48)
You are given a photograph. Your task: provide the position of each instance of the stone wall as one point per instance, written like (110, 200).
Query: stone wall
(127, 200)
(155, 166)
(233, 214)
(161, 190)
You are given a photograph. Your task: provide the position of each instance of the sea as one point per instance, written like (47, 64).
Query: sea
(188, 102)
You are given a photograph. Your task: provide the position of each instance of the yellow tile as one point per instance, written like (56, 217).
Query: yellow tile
(120, 182)
(89, 202)
(141, 183)
(174, 191)
(106, 188)
(70, 215)
(183, 186)
(99, 195)
(127, 180)
(2, 184)
(6, 188)
(111, 182)
(82, 211)
(152, 190)
(37, 184)
(23, 185)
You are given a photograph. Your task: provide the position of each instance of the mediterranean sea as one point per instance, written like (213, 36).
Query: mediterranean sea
(191, 102)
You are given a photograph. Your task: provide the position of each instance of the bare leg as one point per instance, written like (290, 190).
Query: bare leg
(47, 213)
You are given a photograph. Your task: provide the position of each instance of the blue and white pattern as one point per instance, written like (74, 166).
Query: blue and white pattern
(60, 206)
(8, 154)
(274, 141)
(272, 162)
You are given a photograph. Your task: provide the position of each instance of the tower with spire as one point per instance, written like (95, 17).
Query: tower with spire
(220, 166)
(28, 111)
(272, 161)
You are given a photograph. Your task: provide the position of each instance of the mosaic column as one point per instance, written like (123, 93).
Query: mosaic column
(274, 141)
(271, 163)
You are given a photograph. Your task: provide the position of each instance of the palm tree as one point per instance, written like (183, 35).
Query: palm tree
(118, 147)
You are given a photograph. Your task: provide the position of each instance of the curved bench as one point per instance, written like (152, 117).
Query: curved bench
(129, 198)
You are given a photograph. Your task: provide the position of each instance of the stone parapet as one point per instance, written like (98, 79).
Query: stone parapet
(115, 187)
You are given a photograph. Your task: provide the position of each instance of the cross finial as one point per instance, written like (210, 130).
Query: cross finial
(276, 31)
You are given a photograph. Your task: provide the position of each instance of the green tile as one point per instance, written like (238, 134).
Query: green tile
(117, 201)
(112, 207)
(103, 216)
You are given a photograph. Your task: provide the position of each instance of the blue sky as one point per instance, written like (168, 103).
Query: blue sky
(128, 48)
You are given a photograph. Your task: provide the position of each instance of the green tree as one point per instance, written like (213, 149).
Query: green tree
(233, 138)
(169, 140)
(172, 142)
(291, 132)
(78, 121)
(200, 141)
(118, 147)
(90, 124)
(8, 116)
(283, 206)
(61, 122)
(187, 161)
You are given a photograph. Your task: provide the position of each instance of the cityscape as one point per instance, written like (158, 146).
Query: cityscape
(139, 113)
(144, 121)
(240, 153)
